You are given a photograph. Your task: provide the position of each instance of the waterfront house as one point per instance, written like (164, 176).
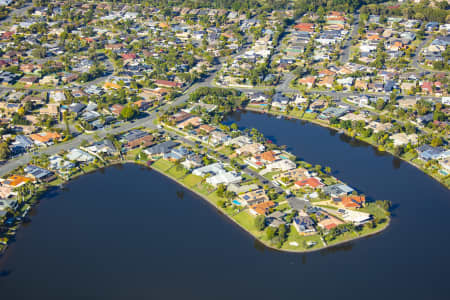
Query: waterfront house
(16, 181)
(8, 204)
(282, 165)
(401, 139)
(39, 174)
(250, 149)
(60, 165)
(329, 222)
(225, 178)
(159, 150)
(304, 224)
(79, 156)
(176, 154)
(242, 188)
(218, 175)
(253, 197)
(356, 217)
(349, 201)
(262, 208)
(104, 146)
(192, 161)
(311, 182)
(427, 152)
(337, 190)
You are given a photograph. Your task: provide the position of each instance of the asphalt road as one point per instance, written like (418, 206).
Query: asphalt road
(345, 56)
(415, 61)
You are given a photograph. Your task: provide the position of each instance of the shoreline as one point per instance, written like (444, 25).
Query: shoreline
(252, 109)
(237, 223)
(218, 209)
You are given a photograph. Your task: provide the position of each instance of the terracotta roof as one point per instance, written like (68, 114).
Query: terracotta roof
(268, 156)
(45, 137)
(17, 180)
(312, 182)
(353, 201)
(262, 208)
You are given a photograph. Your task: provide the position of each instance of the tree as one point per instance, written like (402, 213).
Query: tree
(128, 112)
(270, 233)
(260, 222)
(4, 151)
(436, 141)
(282, 232)
(380, 104)
(220, 190)
(234, 127)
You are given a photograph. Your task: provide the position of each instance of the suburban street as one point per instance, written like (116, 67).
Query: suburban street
(75, 142)
(345, 56)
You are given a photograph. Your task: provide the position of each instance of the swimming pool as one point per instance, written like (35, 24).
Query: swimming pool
(236, 202)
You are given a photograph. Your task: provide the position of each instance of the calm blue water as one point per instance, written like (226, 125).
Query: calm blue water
(130, 233)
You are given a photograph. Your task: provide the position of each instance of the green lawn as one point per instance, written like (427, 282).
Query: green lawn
(162, 165)
(309, 116)
(177, 173)
(271, 174)
(374, 210)
(409, 156)
(246, 220)
(294, 236)
(343, 237)
(191, 180)
(204, 189)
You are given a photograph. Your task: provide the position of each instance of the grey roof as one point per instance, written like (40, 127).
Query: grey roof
(297, 203)
(238, 189)
(37, 172)
(161, 148)
(134, 135)
(23, 141)
(276, 214)
(76, 107)
(337, 189)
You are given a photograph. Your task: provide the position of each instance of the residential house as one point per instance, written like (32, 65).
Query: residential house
(311, 182)
(349, 201)
(15, 181)
(337, 190)
(401, 139)
(262, 208)
(160, 149)
(39, 174)
(304, 224)
(282, 165)
(251, 149)
(253, 197)
(45, 138)
(329, 222)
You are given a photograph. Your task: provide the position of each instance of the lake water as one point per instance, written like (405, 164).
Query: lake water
(130, 233)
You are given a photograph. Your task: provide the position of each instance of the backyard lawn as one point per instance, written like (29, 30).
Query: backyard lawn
(162, 165)
(301, 240)
(191, 180)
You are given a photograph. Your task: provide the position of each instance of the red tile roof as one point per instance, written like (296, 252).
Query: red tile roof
(312, 182)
